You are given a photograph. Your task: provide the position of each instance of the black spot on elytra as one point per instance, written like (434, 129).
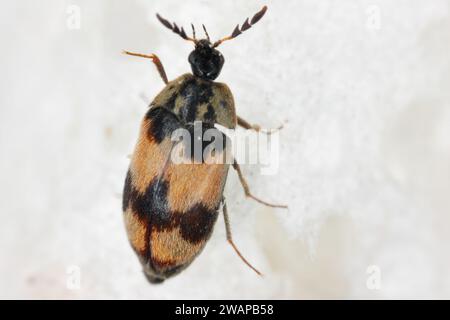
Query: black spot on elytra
(152, 205)
(196, 224)
(163, 123)
(151, 209)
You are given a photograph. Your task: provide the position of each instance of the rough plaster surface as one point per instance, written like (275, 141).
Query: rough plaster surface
(364, 155)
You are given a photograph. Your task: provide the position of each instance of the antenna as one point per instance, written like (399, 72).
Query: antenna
(175, 28)
(245, 26)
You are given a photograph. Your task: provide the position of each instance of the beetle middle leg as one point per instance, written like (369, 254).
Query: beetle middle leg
(246, 125)
(230, 238)
(155, 60)
(247, 189)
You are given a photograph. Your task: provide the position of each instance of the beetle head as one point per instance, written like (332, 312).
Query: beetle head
(206, 61)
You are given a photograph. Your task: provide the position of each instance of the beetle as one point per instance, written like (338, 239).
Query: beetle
(169, 208)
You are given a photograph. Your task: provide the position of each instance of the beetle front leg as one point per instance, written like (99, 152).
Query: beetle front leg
(247, 189)
(155, 60)
(246, 125)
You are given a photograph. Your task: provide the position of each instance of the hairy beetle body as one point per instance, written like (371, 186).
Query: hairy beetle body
(170, 208)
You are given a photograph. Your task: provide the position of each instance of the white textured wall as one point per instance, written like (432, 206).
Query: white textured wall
(365, 152)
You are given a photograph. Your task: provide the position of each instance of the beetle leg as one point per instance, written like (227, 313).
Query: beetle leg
(246, 125)
(247, 189)
(230, 239)
(155, 60)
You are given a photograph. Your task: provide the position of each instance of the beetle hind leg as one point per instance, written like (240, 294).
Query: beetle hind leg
(247, 189)
(230, 238)
(155, 60)
(246, 125)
